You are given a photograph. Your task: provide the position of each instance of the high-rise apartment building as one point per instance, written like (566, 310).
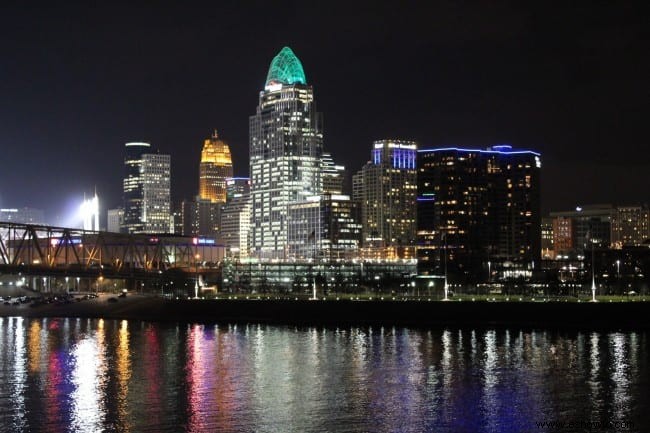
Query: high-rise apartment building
(630, 226)
(147, 191)
(478, 210)
(386, 189)
(214, 169)
(286, 145)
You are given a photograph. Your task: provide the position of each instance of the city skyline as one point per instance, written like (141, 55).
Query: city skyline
(569, 83)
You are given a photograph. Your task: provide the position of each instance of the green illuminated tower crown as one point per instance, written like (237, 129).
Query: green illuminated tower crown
(286, 69)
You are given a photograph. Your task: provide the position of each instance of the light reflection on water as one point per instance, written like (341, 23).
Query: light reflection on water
(82, 375)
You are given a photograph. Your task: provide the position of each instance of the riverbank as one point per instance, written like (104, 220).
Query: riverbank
(348, 312)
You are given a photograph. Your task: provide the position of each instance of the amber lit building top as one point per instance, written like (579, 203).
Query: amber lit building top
(215, 168)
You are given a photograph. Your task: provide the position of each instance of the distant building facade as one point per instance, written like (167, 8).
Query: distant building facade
(25, 215)
(574, 231)
(630, 226)
(147, 190)
(478, 210)
(235, 218)
(115, 220)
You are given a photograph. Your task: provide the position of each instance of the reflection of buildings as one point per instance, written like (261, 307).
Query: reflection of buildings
(386, 190)
(479, 210)
(285, 153)
(147, 192)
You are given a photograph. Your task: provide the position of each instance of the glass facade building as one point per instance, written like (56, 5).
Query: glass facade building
(147, 192)
(286, 143)
(386, 189)
(478, 210)
(235, 217)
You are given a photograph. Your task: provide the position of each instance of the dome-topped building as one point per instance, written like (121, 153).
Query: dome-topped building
(285, 69)
(215, 168)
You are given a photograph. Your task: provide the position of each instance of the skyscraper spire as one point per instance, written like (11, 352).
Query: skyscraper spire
(286, 144)
(285, 69)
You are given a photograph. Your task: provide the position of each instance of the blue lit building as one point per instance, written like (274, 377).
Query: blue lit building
(479, 210)
(386, 189)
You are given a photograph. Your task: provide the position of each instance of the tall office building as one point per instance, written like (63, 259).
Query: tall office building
(286, 143)
(147, 192)
(478, 210)
(386, 189)
(214, 169)
(235, 217)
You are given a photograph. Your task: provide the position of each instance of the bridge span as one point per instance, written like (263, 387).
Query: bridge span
(58, 252)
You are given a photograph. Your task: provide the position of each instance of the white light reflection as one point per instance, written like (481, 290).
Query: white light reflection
(620, 377)
(594, 382)
(123, 375)
(490, 395)
(88, 376)
(19, 376)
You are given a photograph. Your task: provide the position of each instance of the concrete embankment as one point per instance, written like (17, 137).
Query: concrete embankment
(346, 312)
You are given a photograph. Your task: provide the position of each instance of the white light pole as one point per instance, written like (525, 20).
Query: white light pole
(593, 273)
(446, 298)
(489, 271)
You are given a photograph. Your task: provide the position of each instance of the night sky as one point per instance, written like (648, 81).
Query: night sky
(78, 81)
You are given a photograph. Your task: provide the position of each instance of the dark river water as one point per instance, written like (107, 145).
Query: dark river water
(81, 375)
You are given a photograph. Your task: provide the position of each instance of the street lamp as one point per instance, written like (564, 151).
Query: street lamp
(593, 273)
(196, 282)
(489, 271)
(446, 298)
(618, 269)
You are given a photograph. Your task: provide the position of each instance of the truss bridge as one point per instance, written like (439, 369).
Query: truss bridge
(45, 251)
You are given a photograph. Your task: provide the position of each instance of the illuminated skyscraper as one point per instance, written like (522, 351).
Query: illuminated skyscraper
(286, 143)
(386, 189)
(147, 192)
(215, 168)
